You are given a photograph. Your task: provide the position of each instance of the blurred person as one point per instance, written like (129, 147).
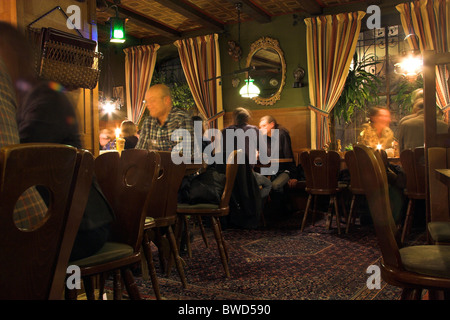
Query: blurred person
(377, 133)
(286, 170)
(242, 118)
(30, 208)
(411, 131)
(415, 96)
(105, 138)
(45, 114)
(164, 119)
(129, 131)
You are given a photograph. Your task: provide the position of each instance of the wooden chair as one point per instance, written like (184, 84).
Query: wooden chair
(214, 211)
(322, 170)
(413, 163)
(34, 262)
(355, 184)
(413, 268)
(161, 214)
(128, 182)
(438, 222)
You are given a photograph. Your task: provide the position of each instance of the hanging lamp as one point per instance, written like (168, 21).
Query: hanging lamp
(249, 90)
(412, 62)
(117, 27)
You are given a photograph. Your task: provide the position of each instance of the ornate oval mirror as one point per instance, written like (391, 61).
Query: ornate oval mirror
(268, 69)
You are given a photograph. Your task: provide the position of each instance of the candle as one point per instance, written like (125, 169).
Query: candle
(120, 142)
(379, 146)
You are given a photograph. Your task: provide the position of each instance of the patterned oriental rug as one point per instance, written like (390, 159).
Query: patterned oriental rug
(280, 263)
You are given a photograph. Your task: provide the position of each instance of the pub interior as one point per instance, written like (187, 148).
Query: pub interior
(357, 203)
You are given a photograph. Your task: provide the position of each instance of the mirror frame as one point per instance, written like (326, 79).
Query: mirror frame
(268, 43)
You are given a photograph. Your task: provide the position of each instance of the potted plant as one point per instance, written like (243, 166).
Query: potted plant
(361, 88)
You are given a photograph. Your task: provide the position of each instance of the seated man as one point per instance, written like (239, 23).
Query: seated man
(286, 170)
(164, 119)
(411, 131)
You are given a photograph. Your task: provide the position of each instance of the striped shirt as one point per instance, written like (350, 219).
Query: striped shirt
(30, 208)
(154, 136)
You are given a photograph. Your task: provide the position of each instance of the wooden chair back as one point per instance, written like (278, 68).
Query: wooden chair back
(375, 184)
(163, 207)
(127, 180)
(34, 261)
(413, 163)
(321, 170)
(230, 174)
(355, 179)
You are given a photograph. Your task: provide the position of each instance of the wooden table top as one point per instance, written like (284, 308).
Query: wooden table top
(444, 176)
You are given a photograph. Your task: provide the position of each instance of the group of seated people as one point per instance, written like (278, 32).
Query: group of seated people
(410, 132)
(39, 111)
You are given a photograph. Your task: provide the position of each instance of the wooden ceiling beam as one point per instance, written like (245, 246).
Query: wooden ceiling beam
(311, 7)
(151, 24)
(253, 11)
(193, 14)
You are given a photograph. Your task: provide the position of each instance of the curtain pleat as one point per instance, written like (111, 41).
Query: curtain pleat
(429, 21)
(200, 59)
(331, 42)
(139, 66)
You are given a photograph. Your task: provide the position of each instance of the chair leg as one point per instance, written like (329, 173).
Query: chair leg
(223, 256)
(162, 249)
(225, 249)
(130, 284)
(176, 256)
(349, 220)
(313, 222)
(411, 294)
(101, 286)
(89, 288)
(70, 294)
(308, 203)
(186, 235)
(117, 285)
(408, 220)
(202, 229)
(151, 266)
(330, 213)
(338, 218)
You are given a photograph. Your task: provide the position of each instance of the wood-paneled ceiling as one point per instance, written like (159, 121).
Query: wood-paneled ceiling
(165, 21)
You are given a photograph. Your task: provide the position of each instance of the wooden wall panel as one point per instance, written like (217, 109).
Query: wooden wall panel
(84, 100)
(296, 120)
(8, 11)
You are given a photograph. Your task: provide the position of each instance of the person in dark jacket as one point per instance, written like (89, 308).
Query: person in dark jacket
(45, 114)
(129, 131)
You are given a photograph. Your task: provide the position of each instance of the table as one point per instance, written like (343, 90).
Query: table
(444, 176)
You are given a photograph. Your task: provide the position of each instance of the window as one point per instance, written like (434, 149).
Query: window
(384, 46)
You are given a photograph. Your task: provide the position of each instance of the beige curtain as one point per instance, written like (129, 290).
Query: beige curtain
(200, 59)
(429, 21)
(139, 66)
(331, 43)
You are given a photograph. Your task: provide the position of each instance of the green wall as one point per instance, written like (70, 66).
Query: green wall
(292, 41)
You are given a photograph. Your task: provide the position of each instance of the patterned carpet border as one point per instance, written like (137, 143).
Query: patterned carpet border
(278, 263)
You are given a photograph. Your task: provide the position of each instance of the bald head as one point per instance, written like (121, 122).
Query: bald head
(159, 102)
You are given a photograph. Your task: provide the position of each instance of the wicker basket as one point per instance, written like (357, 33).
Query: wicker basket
(70, 64)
